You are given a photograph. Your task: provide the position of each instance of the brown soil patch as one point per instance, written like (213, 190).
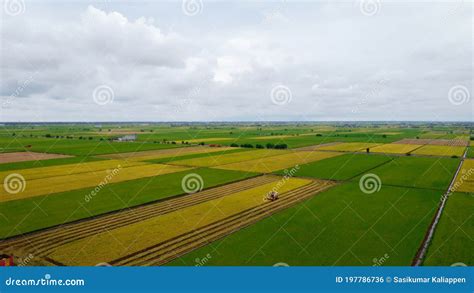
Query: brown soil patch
(28, 156)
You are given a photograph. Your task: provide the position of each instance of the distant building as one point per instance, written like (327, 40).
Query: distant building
(129, 137)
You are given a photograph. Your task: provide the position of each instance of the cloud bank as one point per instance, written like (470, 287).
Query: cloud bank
(225, 63)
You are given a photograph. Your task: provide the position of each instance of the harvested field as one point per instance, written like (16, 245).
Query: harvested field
(23, 216)
(64, 170)
(465, 179)
(228, 158)
(438, 150)
(349, 146)
(394, 148)
(158, 154)
(440, 142)
(135, 238)
(44, 242)
(329, 229)
(57, 184)
(27, 156)
(275, 163)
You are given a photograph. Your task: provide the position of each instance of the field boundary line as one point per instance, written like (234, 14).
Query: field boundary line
(423, 249)
(41, 230)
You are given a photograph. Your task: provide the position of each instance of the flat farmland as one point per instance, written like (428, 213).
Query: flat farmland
(418, 172)
(229, 158)
(436, 150)
(68, 169)
(28, 214)
(52, 185)
(453, 240)
(168, 197)
(394, 148)
(158, 154)
(78, 147)
(349, 147)
(27, 156)
(275, 163)
(110, 246)
(465, 179)
(342, 167)
(341, 226)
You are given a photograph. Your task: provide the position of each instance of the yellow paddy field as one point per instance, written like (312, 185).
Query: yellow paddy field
(437, 150)
(394, 148)
(50, 185)
(63, 170)
(126, 240)
(275, 163)
(159, 154)
(465, 179)
(348, 146)
(228, 158)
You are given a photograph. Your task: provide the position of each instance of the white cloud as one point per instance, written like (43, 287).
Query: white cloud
(222, 65)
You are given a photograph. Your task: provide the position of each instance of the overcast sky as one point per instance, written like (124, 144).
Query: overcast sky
(245, 60)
